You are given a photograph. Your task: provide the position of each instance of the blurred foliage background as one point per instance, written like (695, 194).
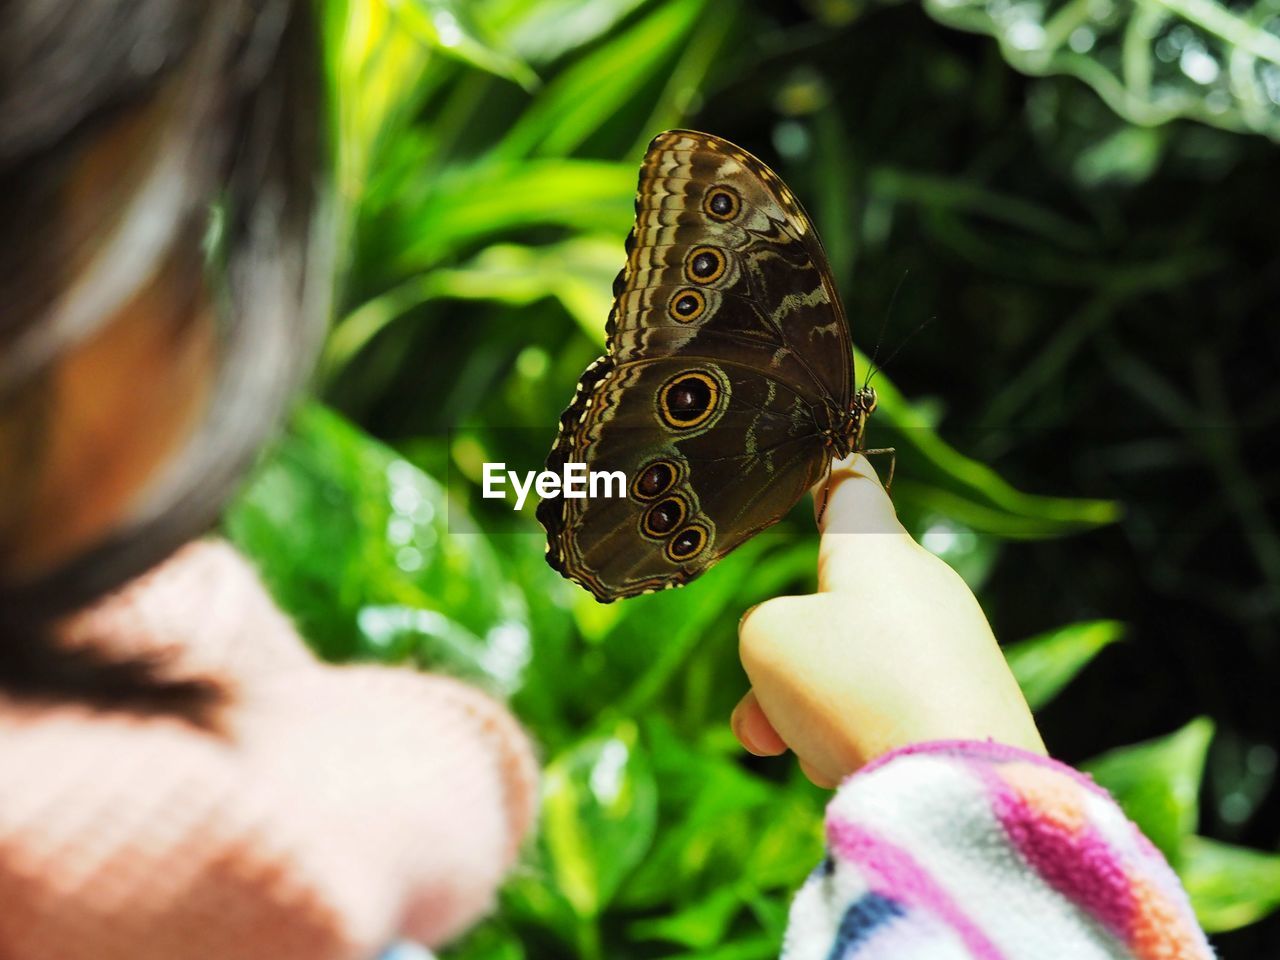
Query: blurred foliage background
(1081, 191)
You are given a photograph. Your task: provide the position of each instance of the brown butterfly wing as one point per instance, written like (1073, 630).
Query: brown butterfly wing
(776, 291)
(692, 497)
(728, 351)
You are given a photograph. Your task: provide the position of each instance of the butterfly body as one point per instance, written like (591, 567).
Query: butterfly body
(727, 386)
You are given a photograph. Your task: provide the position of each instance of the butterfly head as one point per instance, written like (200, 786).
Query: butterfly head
(845, 429)
(864, 402)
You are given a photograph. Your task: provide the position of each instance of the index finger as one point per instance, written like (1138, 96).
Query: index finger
(857, 523)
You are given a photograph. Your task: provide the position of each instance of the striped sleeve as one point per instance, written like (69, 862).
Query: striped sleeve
(964, 850)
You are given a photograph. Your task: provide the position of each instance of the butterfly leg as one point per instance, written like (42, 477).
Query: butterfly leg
(893, 462)
(825, 484)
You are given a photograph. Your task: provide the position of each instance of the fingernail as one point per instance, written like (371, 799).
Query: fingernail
(743, 619)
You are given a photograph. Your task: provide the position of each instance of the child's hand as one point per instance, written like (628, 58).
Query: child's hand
(893, 649)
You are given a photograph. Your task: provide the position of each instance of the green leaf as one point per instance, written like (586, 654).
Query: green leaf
(1229, 886)
(689, 612)
(548, 30)
(969, 553)
(488, 941)
(699, 926)
(360, 547)
(1128, 156)
(531, 898)
(578, 272)
(376, 70)
(1046, 663)
(959, 487)
(594, 89)
(788, 838)
(974, 199)
(953, 485)
(718, 820)
(599, 809)
(1150, 61)
(394, 633)
(446, 26)
(487, 223)
(473, 203)
(1158, 782)
(747, 948)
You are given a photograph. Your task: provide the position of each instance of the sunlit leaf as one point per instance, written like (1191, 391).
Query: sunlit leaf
(376, 67)
(548, 30)
(395, 633)
(1229, 886)
(789, 838)
(599, 807)
(969, 553)
(1151, 62)
(715, 813)
(447, 26)
(687, 613)
(472, 203)
(1046, 663)
(577, 272)
(592, 91)
(1158, 783)
(359, 547)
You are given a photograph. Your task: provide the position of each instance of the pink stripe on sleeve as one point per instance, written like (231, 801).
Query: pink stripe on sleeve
(1078, 863)
(894, 873)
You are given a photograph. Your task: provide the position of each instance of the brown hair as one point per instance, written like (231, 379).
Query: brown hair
(164, 276)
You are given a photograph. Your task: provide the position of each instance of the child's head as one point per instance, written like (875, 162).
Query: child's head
(163, 275)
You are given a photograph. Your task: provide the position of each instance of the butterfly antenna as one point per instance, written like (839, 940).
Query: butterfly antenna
(884, 324)
(898, 349)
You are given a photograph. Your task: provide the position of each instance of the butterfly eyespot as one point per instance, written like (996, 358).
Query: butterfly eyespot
(721, 203)
(687, 543)
(684, 397)
(688, 399)
(664, 516)
(654, 480)
(704, 265)
(687, 305)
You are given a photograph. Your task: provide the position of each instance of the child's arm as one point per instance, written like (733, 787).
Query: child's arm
(955, 836)
(333, 810)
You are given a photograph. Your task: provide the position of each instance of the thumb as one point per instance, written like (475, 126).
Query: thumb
(857, 524)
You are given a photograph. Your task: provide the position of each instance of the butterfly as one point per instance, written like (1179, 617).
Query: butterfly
(727, 386)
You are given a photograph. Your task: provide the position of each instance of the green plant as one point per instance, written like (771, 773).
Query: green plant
(487, 160)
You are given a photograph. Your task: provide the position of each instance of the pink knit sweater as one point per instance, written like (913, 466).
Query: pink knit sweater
(340, 807)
